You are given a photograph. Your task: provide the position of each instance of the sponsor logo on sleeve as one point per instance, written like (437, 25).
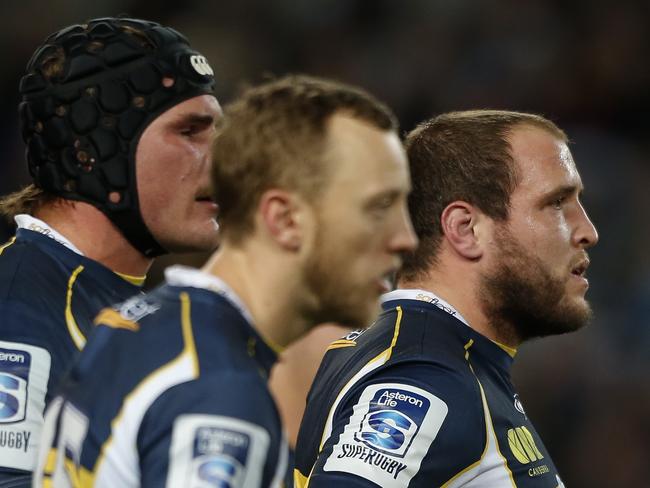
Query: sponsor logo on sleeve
(212, 451)
(388, 434)
(24, 373)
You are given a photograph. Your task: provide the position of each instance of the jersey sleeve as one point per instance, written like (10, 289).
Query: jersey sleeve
(213, 432)
(26, 370)
(409, 425)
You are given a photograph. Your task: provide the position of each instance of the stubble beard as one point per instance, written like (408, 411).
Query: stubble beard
(337, 299)
(523, 299)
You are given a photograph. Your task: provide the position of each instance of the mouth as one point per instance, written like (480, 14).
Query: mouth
(206, 198)
(385, 282)
(579, 270)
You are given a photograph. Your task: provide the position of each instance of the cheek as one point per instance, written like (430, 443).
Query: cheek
(545, 235)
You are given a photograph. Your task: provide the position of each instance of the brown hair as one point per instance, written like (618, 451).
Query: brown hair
(461, 156)
(274, 135)
(28, 200)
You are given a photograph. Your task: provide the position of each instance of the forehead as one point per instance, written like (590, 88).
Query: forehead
(201, 106)
(543, 161)
(364, 156)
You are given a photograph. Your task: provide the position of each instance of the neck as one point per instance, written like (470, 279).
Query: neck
(268, 290)
(95, 236)
(461, 289)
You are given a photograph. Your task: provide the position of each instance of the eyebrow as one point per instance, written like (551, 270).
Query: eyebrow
(199, 119)
(563, 191)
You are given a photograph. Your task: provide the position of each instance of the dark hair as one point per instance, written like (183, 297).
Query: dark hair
(461, 156)
(274, 136)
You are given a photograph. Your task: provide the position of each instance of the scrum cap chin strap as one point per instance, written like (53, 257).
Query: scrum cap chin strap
(82, 124)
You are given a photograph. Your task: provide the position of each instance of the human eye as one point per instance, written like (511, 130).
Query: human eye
(190, 130)
(558, 203)
(380, 205)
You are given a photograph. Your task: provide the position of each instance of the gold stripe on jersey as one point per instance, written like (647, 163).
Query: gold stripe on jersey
(188, 352)
(133, 279)
(188, 336)
(78, 476)
(488, 420)
(341, 343)
(379, 360)
(511, 351)
(112, 318)
(489, 432)
(6, 245)
(73, 329)
(299, 479)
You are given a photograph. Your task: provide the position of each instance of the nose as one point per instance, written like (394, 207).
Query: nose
(404, 239)
(585, 234)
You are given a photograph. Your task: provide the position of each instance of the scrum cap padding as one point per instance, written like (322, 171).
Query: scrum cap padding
(89, 93)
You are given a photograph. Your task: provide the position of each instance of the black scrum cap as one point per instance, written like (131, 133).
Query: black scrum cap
(82, 122)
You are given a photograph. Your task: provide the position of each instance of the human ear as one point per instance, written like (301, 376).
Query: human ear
(280, 214)
(459, 224)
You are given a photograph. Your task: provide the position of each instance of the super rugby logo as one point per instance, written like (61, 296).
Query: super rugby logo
(221, 456)
(393, 419)
(218, 471)
(13, 398)
(14, 373)
(201, 65)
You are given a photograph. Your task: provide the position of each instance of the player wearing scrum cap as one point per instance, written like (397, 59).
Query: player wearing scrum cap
(118, 118)
(322, 224)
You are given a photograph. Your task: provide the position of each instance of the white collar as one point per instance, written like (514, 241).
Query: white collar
(25, 221)
(423, 296)
(179, 275)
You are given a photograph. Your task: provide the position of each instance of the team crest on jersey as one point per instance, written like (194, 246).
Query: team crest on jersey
(388, 434)
(518, 405)
(211, 451)
(14, 381)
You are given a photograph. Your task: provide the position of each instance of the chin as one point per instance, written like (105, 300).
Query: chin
(198, 243)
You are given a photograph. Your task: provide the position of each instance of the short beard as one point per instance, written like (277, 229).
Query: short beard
(335, 299)
(523, 300)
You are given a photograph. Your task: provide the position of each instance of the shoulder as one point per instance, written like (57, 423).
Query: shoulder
(25, 266)
(221, 421)
(403, 421)
(242, 395)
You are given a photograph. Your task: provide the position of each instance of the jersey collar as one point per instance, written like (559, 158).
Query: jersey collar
(423, 296)
(179, 275)
(25, 221)
(258, 346)
(432, 298)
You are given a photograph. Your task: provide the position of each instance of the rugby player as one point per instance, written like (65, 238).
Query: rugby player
(118, 117)
(171, 390)
(423, 397)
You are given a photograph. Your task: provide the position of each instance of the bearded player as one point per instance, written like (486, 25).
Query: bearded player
(424, 398)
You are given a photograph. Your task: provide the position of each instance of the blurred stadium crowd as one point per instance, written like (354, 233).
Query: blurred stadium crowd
(584, 64)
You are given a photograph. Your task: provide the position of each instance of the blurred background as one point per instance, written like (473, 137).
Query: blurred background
(585, 64)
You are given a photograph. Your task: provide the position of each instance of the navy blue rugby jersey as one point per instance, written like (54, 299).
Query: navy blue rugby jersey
(49, 296)
(170, 391)
(420, 400)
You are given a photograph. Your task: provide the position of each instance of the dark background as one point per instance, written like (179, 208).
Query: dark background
(584, 64)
